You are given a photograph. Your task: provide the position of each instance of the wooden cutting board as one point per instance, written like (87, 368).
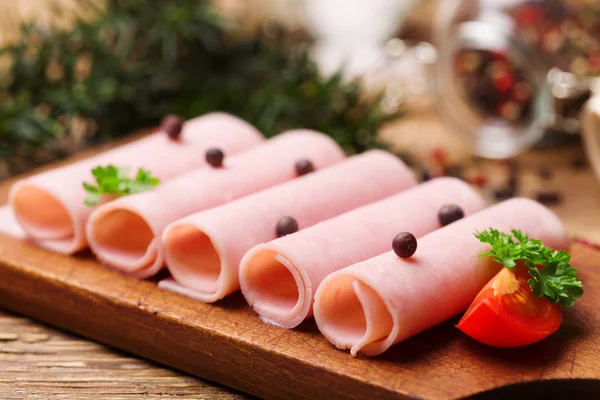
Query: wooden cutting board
(227, 343)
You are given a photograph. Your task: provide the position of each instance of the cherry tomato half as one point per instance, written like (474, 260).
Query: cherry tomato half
(506, 313)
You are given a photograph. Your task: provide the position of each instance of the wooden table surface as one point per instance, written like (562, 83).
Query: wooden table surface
(39, 362)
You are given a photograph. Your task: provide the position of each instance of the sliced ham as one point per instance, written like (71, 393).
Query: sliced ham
(9, 224)
(279, 278)
(373, 304)
(203, 250)
(49, 206)
(125, 233)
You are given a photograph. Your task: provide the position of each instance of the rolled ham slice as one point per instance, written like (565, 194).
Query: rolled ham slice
(8, 223)
(125, 233)
(371, 305)
(49, 206)
(279, 278)
(203, 251)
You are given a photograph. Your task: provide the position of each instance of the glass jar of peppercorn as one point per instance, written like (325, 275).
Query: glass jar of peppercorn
(512, 74)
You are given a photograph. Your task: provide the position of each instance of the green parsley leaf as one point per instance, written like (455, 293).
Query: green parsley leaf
(557, 281)
(115, 181)
(91, 199)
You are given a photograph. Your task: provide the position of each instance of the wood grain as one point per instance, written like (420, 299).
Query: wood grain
(38, 362)
(227, 343)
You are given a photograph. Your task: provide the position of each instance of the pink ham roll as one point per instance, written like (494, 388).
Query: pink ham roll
(8, 223)
(203, 250)
(371, 305)
(279, 278)
(125, 233)
(49, 206)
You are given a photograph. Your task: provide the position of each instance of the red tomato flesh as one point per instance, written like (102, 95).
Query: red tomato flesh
(506, 313)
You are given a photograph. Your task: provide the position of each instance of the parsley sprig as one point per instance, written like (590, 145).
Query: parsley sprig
(115, 181)
(557, 281)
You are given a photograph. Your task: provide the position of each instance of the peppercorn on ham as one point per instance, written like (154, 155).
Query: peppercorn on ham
(50, 206)
(203, 251)
(279, 278)
(371, 305)
(126, 233)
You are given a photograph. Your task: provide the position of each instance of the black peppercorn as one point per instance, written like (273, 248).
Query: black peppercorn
(425, 175)
(548, 198)
(215, 157)
(404, 244)
(304, 167)
(285, 226)
(450, 213)
(172, 125)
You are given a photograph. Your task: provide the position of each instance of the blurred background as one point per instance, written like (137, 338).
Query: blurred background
(500, 93)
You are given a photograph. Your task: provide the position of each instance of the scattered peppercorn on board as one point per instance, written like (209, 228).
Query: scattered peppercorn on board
(226, 342)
